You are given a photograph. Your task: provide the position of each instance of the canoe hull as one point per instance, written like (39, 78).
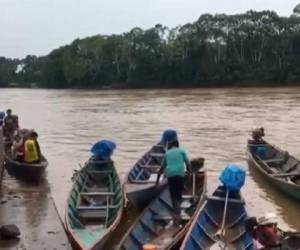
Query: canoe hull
(286, 187)
(141, 196)
(26, 171)
(77, 246)
(151, 226)
(208, 221)
(95, 205)
(140, 181)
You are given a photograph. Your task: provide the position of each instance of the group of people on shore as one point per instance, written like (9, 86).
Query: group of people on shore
(24, 144)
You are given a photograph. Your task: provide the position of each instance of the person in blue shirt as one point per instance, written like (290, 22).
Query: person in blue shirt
(174, 163)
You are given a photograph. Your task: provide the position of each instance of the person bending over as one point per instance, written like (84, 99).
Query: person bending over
(173, 164)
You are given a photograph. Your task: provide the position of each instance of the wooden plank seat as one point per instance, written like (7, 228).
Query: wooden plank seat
(87, 215)
(97, 193)
(156, 154)
(95, 212)
(215, 198)
(96, 207)
(142, 182)
(284, 175)
(99, 162)
(274, 160)
(99, 171)
(167, 217)
(187, 196)
(89, 200)
(154, 167)
(288, 168)
(92, 189)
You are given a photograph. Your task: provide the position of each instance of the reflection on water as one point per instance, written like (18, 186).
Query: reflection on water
(213, 123)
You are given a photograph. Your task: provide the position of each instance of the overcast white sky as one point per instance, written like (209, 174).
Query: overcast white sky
(38, 26)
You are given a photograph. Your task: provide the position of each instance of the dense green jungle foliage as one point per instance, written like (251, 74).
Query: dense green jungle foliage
(219, 50)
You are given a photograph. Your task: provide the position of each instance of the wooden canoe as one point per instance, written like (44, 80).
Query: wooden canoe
(152, 226)
(208, 221)
(94, 206)
(277, 166)
(27, 171)
(140, 182)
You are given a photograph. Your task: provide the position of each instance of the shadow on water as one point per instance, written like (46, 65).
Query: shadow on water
(289, 207)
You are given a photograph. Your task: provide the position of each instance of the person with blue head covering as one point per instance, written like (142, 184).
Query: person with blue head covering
(233, 177)
(103, 150)
(169, 135)
(173, 164)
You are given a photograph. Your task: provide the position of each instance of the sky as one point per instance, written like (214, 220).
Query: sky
(36, 27)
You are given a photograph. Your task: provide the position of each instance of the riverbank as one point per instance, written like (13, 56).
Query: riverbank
(201, 85)
(32, 209)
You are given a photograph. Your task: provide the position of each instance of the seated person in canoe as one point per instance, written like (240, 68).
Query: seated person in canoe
(32, 152)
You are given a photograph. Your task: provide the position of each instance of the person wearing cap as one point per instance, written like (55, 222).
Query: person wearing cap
(264, 231)
(32, 152)
(173, 164)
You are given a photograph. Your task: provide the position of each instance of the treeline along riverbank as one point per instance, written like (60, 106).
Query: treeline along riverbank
(222, 49)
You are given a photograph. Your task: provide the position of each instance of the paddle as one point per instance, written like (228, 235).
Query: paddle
(233, 178)
(219, 235)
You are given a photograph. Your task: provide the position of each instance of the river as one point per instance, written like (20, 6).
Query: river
(213, 123)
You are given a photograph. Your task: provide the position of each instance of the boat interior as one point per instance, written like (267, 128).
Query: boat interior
(145, 170)
(206, 234)
(156, 226)
(278, 163)
(96, 196)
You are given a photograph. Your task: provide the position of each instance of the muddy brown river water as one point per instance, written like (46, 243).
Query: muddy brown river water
(213, 123)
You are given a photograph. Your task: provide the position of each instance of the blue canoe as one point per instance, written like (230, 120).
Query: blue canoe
(140, 182)
(208, 221)
(153, 225)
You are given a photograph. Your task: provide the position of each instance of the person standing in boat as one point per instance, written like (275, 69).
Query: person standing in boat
(11, 124)
(2, 115)
(173, 164)
(257, 136)
(32, 152)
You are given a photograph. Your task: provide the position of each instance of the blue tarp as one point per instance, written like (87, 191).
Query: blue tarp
(169, 135)
(233, 177)
(103, 149)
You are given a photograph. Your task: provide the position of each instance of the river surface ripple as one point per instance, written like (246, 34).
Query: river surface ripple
(213, 123)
